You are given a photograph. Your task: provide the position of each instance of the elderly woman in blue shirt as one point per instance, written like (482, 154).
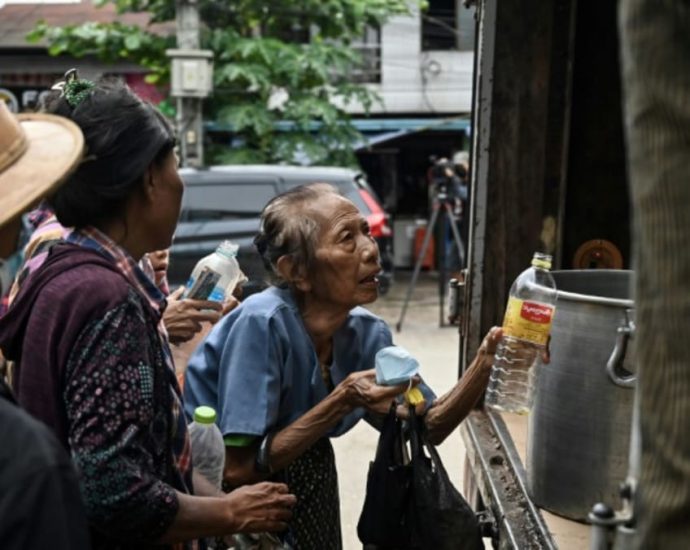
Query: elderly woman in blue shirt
(293, 365)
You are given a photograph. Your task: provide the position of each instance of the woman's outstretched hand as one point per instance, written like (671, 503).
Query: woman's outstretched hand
(487, 349)
(482, 362)
(450, 409)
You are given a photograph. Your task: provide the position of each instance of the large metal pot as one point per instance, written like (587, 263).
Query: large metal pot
(579, 427)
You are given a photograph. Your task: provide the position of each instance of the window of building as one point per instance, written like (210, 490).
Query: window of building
(369, 50)
(448, 25)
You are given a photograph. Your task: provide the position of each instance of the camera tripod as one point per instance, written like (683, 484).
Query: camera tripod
(441, 209)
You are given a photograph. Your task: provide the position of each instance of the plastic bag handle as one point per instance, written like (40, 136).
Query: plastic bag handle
(391, 432)
(419, 441)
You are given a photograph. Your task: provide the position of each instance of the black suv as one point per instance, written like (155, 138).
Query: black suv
(224, 202)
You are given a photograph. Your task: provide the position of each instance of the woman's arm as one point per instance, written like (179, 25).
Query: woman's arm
(359, 389)
(251, 509)
(446, 413)
(110, 409)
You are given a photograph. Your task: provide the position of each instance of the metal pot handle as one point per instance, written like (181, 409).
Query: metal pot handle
(615, 362)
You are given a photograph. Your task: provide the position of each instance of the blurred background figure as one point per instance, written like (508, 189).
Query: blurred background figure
(462, 172)
(447, 182)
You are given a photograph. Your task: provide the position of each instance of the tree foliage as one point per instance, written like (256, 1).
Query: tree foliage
(263, 73)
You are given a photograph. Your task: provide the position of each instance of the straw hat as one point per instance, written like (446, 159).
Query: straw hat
(37, 152)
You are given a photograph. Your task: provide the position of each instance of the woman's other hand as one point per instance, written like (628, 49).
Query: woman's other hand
(183, 317)
(260, 507)
(250, 509)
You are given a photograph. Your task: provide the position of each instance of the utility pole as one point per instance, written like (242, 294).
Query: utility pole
(191, 75)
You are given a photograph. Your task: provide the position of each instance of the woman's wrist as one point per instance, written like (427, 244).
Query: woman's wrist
(262, 463)
(230, 517)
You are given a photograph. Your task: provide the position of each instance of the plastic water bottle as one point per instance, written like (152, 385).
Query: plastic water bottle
(208, 448)
(214, 277)
(526, 328)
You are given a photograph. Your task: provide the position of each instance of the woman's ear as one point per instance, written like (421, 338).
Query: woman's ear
(150, 182)
(293, 274)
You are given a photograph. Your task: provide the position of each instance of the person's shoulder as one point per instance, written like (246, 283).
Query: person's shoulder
(82, 293)
(364, 322)
(269, 312)
(268, 303)
(90, 284)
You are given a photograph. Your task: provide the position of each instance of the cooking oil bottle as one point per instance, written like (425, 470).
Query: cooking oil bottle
(526, 328)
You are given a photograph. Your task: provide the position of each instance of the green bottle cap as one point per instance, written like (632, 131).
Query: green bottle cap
(204, 415)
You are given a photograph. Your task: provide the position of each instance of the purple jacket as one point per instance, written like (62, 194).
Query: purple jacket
(45, 321)
(90, 365)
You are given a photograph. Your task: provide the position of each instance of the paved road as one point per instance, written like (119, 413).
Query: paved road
(437, 351)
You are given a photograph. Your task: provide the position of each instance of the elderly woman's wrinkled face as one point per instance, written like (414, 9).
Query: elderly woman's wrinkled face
(346, 256)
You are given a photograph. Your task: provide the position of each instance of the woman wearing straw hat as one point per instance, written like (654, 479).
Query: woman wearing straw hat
(35, 154)
(91, 359)
(40, 504)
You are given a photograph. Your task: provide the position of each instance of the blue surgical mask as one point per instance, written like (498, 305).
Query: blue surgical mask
(395, 365)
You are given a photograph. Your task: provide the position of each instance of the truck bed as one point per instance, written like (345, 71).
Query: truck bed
(496, 448)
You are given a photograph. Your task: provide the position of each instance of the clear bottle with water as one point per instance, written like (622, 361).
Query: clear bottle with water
(215, 276)
(526, 328)
(208, 448)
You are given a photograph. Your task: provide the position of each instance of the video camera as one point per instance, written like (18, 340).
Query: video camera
(443, 178)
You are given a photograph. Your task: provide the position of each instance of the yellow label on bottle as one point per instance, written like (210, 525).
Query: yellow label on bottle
(527, 320)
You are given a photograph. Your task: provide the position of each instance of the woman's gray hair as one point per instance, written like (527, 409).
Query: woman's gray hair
(288, 228)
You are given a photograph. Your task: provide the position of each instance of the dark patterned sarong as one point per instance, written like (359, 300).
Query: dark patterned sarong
(313, 479)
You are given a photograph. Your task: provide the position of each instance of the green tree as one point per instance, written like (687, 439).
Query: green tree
(264, 74)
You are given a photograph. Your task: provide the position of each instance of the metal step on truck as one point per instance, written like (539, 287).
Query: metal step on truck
(548, 173)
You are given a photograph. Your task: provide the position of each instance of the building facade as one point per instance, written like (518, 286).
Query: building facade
(422, 63)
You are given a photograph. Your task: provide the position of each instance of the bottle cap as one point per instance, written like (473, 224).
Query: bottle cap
(227, 249)
(541, 260)
(204, 415)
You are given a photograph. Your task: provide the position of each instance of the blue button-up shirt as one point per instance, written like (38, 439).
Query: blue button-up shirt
(258, 367)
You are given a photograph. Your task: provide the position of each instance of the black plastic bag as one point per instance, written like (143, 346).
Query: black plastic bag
(412, 505)
(383, 521)
(438, 515)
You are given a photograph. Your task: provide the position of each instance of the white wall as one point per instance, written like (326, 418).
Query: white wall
(413, 81)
